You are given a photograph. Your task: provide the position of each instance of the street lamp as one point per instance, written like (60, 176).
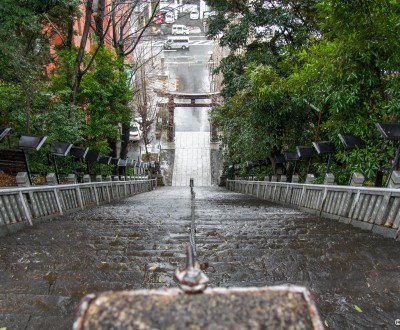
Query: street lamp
(325, 148)
(30, 143)
(351, 142)
(3, 132)
(305, 152)
(78, 153)
(59, 149)
(91, 157)
(391, 132)
(292, 156)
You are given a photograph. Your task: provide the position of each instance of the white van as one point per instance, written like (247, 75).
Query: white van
(177, 43)
(179, 29)
(169, 17)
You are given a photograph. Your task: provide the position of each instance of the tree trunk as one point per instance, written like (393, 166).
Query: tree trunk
(70, 29)
(99, 20)
(28, 111)
(125, 141)
(81, 53)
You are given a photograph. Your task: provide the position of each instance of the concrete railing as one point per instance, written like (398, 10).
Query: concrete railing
(375, 209)
(19, 207)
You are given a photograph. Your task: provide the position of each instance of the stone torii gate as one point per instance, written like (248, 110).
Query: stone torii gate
(173, 102)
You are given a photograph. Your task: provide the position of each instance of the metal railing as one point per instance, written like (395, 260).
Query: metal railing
(21, 206)
(376, 209)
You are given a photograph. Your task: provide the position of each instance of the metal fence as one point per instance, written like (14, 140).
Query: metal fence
(21, 206)
(376, 209)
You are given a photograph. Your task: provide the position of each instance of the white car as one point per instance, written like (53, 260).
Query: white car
(135, 133)
(194, 14)
(208, 14)
(179, 29)
(169, 17)
(177, 43)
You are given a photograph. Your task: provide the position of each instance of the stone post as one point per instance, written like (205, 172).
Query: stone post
(71, 179)
(99, 178)
(23, 179)
(394, 180)
(310, 179)
(329, 179)
(86, 178)
(295, 178)
(51, 179)
(357, 179)
(283, 178)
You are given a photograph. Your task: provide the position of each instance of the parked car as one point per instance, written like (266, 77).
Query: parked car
(177, 42)
(135, 133)
(208, 14)
(158, 18)
(169, 17)
(179, 29)
(194, 14)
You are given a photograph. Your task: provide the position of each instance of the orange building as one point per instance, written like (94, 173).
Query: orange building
(114, 13)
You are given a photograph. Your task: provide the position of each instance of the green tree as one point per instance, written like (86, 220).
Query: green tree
(105, 93)
(352, 74)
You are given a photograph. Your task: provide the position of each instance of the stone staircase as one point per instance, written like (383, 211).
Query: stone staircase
(137, 244)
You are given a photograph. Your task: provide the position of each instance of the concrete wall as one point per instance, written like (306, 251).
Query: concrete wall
(20, 207)
(375, 209)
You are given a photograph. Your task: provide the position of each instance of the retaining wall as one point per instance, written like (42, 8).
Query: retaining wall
(20, 207)
(375, 209)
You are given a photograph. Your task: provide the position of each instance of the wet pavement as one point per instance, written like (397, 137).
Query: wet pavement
(137, 243)
(192, 158)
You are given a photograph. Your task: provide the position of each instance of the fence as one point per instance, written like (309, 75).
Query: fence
(375, 209)
(21, 206)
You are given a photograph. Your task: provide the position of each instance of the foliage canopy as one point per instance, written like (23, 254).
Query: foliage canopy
(304, 70)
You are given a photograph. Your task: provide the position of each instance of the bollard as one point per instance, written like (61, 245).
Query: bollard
(266, 178)
(108, 178)
(71, 178)
(329, 179)
(274, 178)
(283, 178)
(394, 180)
(115, 178)
(23, 179)
(357, 179)
(310, 179)
(295, 178)
(122, 178)
(86, 178)
(279, 307)
(99, 178)
(51, 179)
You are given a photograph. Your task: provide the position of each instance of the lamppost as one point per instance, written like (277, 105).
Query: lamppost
(30, 143)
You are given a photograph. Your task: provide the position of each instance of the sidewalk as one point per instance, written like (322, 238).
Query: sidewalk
(192, 159)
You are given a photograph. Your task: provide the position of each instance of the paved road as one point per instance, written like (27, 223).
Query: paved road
(137, 243)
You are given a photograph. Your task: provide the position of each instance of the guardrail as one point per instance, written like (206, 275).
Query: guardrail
(375, 209)
(19, 207)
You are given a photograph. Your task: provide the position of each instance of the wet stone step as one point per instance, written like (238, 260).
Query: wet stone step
(37, 322)
(137, 244)
(45, 305)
